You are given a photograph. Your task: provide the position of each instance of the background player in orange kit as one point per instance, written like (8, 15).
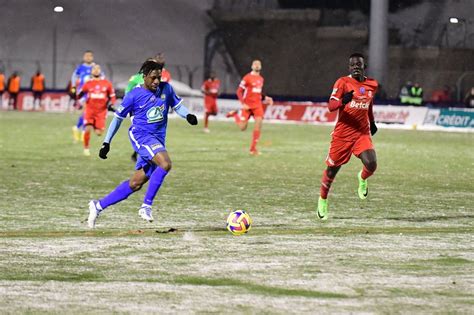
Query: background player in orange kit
(210, 88)
(250, 96)
(165, 74)
(353, 97)
(99, 93)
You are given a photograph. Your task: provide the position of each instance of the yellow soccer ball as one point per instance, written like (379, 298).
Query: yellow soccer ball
(239, 222)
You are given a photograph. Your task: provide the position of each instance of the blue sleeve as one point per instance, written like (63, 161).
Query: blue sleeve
(113, 128)
(74, 77)
(126, 107)
(176, 102)
(181, 110)
(172, 99)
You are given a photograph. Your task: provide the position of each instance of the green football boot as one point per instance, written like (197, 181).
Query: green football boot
(363, 190)
(323, 209)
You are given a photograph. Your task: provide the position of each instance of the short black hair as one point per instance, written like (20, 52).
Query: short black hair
(88, 51)
(150, 65)
(357, 55)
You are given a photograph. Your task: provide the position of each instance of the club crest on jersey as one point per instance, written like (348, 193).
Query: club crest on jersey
(370, 93)
(362, 90)
(163, 97)
(155, 114)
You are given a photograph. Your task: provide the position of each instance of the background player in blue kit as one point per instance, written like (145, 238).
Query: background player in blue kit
(149, 105)
(81, 75)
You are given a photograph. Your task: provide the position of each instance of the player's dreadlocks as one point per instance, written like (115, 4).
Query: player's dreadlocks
(150, 65)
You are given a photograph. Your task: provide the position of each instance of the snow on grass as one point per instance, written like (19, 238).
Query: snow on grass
(407, 249)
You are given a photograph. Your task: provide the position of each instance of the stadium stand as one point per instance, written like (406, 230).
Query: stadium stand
(121, 34)
(290, 41)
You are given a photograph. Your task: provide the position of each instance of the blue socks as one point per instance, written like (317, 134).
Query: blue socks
(80, 122)
(154, 185)
(123, 190)
(120, 193)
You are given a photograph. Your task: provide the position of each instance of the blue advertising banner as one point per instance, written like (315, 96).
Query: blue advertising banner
(456, 118)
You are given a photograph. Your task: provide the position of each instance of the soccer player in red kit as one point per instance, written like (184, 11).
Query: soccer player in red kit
(165, 74)
(99, 93)
(210, 88)
(352, 96)
(250, 96)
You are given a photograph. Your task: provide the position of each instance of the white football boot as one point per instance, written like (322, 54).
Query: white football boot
(94, 212)
(145, 213)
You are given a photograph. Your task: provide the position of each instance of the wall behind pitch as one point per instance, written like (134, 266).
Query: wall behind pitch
(121, 33)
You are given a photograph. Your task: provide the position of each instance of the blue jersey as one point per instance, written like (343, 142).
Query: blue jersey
(149, 110)
(81, 75)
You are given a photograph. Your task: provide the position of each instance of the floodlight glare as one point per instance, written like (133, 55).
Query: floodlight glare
(453, 20)
(58, 9)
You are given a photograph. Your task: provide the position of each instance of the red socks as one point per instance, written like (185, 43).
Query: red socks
(366, 173)
(87, 138)
(255, 138)
(326, 182)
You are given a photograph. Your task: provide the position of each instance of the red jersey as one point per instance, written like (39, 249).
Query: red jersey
(165, 76)
(353, 118)
(210, 89)
(99, 92)
(250, 90)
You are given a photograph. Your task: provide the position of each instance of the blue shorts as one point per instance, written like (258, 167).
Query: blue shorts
(147, 146)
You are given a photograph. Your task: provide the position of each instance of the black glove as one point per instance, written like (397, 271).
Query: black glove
(192, 120)
(373, 128)
(111, 108)
(104, 150)
(347, 97)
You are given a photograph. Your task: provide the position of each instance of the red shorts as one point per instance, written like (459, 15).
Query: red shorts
(211, 107)
(95, 119)
(257, 112)
(340, 150)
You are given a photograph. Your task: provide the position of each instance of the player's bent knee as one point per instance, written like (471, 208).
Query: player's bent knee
(135, 185)
(371, 166)
(166, 165)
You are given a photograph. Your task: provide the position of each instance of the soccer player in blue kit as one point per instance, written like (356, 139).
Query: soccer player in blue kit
(149, 104)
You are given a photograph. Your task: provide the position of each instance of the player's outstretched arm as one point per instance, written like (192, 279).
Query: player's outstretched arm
(336, 103)
(182, 111)
(80, 95)
(373, 127)
(268, 100)
(347, 97)
(111, 131)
